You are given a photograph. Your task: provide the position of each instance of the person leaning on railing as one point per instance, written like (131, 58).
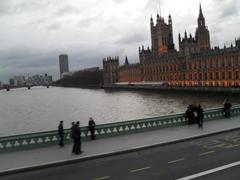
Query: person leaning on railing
(190, 114)
(61, 134)
(91, 127)
(200, 116)
(227, 107)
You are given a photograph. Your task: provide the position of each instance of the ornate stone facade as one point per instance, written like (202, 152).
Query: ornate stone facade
(195, 64)
(110, 70)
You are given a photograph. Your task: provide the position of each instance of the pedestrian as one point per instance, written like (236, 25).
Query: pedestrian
(227, 108)
(200, 116)
(78, 139)
(61, 134)
(73, 131)
(190, 114)
(91, 127)
(194, 109)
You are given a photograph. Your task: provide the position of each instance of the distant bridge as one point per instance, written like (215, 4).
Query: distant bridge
(7, 87)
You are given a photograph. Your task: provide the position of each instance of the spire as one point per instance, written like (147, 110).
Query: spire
(200, 10)
(126, 61)
(185, 34)
(169, 19)
(179, 37)
(201, 19)
(151, 20)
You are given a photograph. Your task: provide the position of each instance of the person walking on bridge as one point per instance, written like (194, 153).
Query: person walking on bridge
(61, 134)
(77, 136)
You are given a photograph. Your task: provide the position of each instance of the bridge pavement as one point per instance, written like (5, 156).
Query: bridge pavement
(52, 156)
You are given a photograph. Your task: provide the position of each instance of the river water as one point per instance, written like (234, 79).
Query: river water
(41, 108)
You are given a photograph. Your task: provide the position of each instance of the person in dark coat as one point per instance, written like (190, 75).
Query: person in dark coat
(73, 129)
(200, 116)
(190, 114)
(61, 134)
(78, 139)
(91, 127)
(227, 108)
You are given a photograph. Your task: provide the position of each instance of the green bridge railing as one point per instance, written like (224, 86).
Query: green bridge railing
(41, 139)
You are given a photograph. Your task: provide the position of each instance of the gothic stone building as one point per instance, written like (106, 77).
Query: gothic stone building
(195, 64)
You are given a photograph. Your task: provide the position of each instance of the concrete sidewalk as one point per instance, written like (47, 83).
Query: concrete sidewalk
(53, 155)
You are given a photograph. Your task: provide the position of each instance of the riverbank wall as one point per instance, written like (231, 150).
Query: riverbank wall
(168, 88)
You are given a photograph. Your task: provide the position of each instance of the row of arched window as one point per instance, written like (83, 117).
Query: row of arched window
(229, 75)
(228, 61)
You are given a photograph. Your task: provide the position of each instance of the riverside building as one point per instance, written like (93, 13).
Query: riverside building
(195, 64)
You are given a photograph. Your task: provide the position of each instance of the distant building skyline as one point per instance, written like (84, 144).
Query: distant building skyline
(35, 80)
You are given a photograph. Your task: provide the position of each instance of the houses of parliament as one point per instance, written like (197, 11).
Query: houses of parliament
(195, 64)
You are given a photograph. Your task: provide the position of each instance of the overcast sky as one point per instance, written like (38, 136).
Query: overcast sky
(34, 32)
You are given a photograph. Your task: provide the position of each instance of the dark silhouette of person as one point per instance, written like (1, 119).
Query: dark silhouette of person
(61, 134)
(200, 116)
(73, 129)
(227, 108)
(91, 127)
(78, 139)
(194, 109)
(190, 114)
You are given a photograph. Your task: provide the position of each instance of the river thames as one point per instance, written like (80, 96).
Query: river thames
(41, 108)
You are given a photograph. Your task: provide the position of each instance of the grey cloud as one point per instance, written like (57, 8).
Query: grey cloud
(27, 65)
(133, 38)
(67, 10)
(54, 26)
(155, 4)
(86, 22)
(5, 8)
(230, 8)
(14, 53)
(13, 7)
(118, 1)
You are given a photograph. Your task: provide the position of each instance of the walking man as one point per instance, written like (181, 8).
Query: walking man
(91, 127)
(78, 139)
(61, 134)
(227, 108)
(200, 116)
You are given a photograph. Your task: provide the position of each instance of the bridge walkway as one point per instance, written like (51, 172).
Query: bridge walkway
(54, 155)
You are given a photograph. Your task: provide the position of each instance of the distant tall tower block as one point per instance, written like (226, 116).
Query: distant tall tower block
(63, 63)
